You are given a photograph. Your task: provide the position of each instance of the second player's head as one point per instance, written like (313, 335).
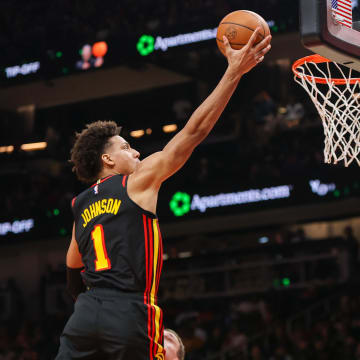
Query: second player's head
(173, 345)
(99, 150)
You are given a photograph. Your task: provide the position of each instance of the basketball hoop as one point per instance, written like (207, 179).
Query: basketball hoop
(338, 103)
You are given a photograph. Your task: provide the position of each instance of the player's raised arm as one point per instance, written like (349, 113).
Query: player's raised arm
(158, 167)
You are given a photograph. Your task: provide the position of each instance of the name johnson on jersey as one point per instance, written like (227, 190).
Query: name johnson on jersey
(108, 206)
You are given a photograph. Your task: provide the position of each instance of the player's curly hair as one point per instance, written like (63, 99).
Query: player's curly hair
(88, 148)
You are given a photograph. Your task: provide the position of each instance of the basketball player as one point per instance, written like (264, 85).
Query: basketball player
(114, 259)
(174, 347)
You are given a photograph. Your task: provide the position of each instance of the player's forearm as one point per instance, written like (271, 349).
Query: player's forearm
(74, 282)
(208, 113)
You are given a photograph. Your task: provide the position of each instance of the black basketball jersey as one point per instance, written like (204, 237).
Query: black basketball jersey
(120, 243)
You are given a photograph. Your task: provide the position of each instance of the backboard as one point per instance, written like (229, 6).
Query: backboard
(331, 28)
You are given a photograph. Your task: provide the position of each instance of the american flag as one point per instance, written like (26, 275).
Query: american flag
(342, 10)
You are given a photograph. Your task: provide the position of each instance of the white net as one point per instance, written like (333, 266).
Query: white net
(338, 103)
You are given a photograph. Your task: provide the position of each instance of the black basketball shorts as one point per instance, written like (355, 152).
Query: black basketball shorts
(109, 324)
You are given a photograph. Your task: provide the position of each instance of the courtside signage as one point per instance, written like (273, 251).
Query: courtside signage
(184, 39)
(16, 227)
(148, 43)
(321, 189)
(182, 203)
(24, 69)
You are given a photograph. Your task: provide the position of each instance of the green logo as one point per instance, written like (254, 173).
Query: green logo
(145, 45)
(180, 204)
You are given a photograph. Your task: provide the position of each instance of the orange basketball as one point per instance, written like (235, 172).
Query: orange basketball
(99, 49)
(238, 26)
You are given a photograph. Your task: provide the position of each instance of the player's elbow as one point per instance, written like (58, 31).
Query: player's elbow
(197, 134)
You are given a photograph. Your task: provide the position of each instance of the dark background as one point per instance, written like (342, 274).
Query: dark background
(276, 279)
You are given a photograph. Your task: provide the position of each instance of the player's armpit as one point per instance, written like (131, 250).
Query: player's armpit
(159, 166)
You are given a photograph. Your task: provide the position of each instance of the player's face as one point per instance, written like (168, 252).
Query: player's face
(125, 158)
(171, 345)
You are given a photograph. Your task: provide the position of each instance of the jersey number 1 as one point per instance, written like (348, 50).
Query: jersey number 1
(102, 261)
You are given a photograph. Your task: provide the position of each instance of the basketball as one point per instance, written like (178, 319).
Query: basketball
(238, 26)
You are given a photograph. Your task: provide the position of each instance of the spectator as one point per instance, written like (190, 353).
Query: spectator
(236, 340)
(182, 109)
(256, 353)
(294, 112)
(87, 60)
(281, 354)
(264, 109)
(353, 249)
(215, 340)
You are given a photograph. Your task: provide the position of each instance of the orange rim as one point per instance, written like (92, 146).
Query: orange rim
(317, 59)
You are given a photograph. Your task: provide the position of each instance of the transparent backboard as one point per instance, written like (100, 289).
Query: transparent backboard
(356, 14)
(346, 13)
(331, 28)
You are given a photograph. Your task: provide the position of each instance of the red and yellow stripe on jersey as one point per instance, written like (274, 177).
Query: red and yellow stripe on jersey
(153, 263)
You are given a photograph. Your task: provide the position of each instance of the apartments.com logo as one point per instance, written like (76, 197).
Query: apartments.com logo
(147, 43)
(181, 203)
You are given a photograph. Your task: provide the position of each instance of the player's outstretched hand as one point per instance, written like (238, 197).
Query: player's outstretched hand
(243, 60)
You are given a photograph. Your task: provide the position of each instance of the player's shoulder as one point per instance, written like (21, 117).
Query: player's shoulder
(113, 181)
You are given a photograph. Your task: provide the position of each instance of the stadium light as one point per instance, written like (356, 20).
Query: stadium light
(6, 149)
(169, 128)
(137, 133)
(286, 282)
(34, 146)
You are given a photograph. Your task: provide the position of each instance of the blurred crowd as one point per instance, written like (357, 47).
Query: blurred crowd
(278, 323)
(265, 142)
(261, 326)
(335, 335)
(270, 133)
(209, 333)
(33, 28)
(43, 193)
